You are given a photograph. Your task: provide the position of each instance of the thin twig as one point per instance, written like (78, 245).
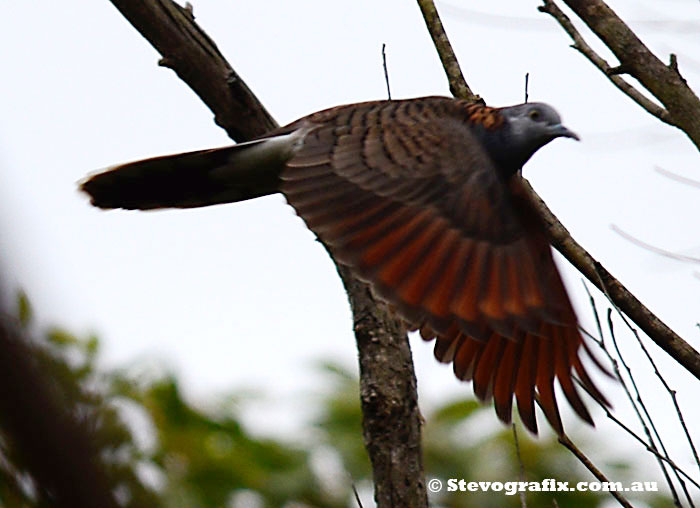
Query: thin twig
(386, 72)
(521, 472)
(357, 495)
(650, 444)
(657, 372)
(671, 392)
(639, 408)
(588, 464)
(527, 83)
(600, 340)
(641, 441)
(614, 363)
(656, 250)
(610, 416)
(677, 178)
(564, 440)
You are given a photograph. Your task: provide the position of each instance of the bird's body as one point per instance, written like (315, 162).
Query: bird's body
(420, 198)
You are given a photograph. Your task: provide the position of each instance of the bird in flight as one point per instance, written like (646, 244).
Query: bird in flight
(423, 199)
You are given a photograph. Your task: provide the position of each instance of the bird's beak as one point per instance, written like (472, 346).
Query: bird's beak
(559, 130)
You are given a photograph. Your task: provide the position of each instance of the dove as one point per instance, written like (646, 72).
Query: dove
(422, 199)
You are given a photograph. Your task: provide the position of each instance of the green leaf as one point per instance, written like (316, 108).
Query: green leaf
(62, 338)
(455, 412)
(25, 313)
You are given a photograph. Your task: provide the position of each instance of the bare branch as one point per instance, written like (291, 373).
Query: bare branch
(657, 372)
(663, 81)
(580, 45)
(656, 250)
(650, 446)
(642, 414)
(678, 178)
(458, 85)
(616, 369)
(386, 72)
(392, 420)
(527, 86)
(521, 466)
(564, 440)
(194, 57)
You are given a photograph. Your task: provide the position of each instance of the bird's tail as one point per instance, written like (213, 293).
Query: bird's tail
(193, 179)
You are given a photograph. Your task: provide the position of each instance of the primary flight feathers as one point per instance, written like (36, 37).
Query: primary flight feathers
(423, 200)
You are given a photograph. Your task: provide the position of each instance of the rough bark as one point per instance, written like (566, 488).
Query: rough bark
(194, 57)
(391, 417)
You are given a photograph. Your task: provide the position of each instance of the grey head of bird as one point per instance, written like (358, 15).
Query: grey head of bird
(526, 129)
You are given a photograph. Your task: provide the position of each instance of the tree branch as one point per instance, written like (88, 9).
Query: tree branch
(560, 238)
(194, 57)
(391, 419)
(564, 440)
(582, 47)
(663, 81)
(458, 85)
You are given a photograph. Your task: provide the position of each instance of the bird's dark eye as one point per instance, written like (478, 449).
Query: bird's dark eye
(534, 114)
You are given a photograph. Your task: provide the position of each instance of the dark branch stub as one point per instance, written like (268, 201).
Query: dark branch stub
(386, 72)
(527, 84)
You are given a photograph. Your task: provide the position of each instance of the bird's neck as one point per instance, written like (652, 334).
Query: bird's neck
(503, 149)
(507, 150)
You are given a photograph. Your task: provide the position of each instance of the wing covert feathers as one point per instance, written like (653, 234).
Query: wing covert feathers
(403, 193)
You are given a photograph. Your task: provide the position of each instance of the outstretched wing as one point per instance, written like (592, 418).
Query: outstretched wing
(404, 193)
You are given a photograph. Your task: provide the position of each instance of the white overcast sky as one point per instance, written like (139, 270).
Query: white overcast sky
(241, 296)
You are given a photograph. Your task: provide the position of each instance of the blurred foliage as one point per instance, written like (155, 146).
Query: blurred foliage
(161, 450)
